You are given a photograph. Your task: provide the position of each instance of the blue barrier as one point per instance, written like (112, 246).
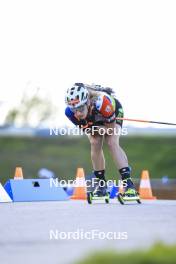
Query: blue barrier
(29, 190)
(69, 190)
(4, 197)
(113, 190)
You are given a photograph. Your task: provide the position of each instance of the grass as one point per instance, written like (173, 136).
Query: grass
(158, 254)
(63, 155)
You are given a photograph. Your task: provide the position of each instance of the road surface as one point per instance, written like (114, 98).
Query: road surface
(41, 232)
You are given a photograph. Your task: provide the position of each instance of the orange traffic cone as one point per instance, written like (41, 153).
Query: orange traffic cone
(80, 188)
(145, 189)
(18, 174)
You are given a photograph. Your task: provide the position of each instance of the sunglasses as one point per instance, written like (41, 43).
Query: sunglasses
(80, 109)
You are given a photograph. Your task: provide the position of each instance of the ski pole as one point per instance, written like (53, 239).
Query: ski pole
(145, 121)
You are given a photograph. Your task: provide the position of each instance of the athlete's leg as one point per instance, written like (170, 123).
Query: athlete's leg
(98, 162)
(97, 155)
(119, 156)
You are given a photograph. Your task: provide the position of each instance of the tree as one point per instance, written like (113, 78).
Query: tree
(32, 111)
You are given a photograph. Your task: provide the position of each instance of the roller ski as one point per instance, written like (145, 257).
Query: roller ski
(130, 195)
(99, 194)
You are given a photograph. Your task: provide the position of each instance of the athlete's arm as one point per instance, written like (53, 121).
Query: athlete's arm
(72, 117)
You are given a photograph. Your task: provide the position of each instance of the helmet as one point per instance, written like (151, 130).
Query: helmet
(77, 95)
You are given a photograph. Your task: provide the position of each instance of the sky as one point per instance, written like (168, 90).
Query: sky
(127, 45)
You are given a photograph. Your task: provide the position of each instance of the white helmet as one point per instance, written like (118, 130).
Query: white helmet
(77, 95)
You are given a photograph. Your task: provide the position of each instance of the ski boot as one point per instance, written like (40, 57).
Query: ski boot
(129, 195)
(99, 193)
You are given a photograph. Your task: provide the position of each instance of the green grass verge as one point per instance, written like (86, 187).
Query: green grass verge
(63, 155)
(158, 254)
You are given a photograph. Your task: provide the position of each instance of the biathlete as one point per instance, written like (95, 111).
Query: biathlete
(93, 105)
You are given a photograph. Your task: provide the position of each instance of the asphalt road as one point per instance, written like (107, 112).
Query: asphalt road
(33, 232)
